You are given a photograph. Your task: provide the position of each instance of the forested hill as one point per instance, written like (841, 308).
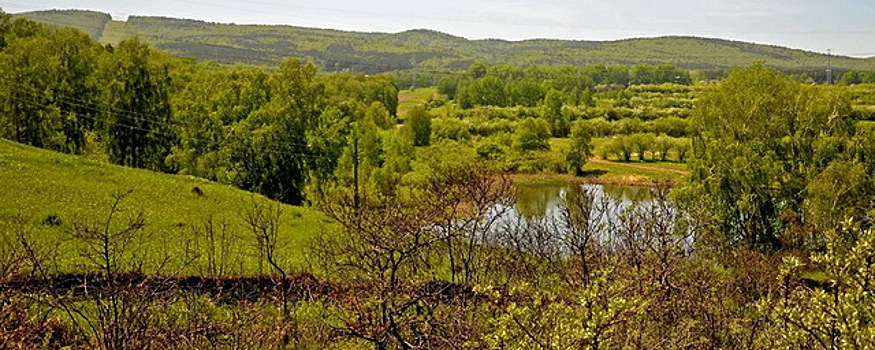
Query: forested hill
(429, 50)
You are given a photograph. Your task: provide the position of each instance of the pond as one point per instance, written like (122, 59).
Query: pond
(557, 217)
(540, 200)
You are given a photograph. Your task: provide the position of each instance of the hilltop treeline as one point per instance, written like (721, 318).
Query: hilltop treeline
(417, 54)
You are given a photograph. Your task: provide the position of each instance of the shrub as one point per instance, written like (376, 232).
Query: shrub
(532, 134)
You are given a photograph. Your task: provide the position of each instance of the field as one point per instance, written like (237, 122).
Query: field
(408, 99)
(55, 192)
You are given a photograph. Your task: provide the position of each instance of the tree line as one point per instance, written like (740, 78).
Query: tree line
(507, 85)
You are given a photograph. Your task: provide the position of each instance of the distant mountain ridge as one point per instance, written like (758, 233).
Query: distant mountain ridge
(429, 50)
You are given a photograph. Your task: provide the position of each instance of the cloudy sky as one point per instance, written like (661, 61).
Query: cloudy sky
(845, 26)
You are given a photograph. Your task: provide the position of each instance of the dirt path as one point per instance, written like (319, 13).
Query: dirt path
(638, 166)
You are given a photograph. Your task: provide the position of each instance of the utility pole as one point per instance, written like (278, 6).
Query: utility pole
(355, 166)
(828, 66)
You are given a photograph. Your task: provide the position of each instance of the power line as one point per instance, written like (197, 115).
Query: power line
(33, 102)
(134, 115)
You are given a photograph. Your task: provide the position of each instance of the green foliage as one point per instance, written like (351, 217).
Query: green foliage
(477, 70)
(580, 149)
(419, 122)
(641, 143)
(623, 147)
(762, 140)
(487, 91)
(52, 99)
(842, 190)
(398, 155)
(644, 74)
(671, 126)
(363, 152)
(683, 148)
(343, 87)
(532, 134)
(551, 110)
(663, 145)
(854, 77)
(263, 131)
(599, 127)
(490, 150)
(628, 126)
(448, 84)
(377, 113)
(270, 151)
(837, 315)
(450, 129)
(525, 93)
(207, 105)
(137, 101)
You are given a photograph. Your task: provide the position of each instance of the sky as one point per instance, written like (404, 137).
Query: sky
(847, 27)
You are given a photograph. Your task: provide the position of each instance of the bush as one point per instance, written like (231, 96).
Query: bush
(671, 126)
(419, 122)
(532, 134)
(490, 150)
(485, 127)
(450, 129)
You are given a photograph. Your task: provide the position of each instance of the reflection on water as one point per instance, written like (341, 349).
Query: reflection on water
(557, 219)
(539, 200)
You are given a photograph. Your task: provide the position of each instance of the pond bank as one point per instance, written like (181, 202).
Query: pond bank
(606, 172)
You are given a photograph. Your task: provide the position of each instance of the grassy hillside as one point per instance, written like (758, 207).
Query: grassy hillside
(40, 185)
(425, 49)
(90, 22)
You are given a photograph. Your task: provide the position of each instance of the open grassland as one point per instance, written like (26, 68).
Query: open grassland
(90, 22)
(54, 193)
(113, 33)
(407, 99)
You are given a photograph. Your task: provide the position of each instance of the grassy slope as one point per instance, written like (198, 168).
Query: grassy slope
(87, 21)
(113, 33)
(38, 183)
(374, 52)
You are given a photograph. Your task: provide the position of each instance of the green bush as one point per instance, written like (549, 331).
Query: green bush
(450, 129)
(532, 134)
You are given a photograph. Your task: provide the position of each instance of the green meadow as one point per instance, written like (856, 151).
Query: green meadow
(53, 193)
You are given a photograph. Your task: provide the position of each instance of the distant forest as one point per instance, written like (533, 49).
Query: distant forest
(427, 53)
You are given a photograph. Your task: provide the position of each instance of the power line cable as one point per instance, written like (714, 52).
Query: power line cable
(216, 145)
